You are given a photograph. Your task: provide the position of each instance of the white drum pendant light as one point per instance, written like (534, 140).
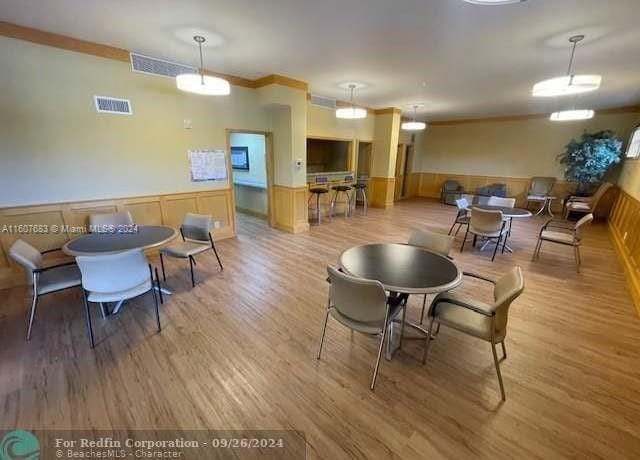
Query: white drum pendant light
(569, 84)
(414, 125)
(352, 112)
(199, 83)
(571, 115)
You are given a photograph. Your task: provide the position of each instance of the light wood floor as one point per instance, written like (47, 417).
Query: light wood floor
(238, 352)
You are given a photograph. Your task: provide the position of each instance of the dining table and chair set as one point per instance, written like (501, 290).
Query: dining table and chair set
(110, 265)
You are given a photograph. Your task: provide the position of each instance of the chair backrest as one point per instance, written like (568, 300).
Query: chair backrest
(27, 256)
(114, 272)
(432, 241)
(599, 194)
(101, 223)
(358, 299)
(587, 218)
(485, 221)
(451, 186)
(197, 226)
(541, 185)
(506, 290)
(499, 201)
(463, 205)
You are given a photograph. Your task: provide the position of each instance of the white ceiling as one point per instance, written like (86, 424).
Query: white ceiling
(476, 60)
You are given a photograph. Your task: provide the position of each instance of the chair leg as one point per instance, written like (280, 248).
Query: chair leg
(404, 315)
(495, 361)
(32, 314)
(366, 202)
(324, 330)
(475, 240)
(535, 250)
(464, 239)
(454, 224)
(428, 340)
(504, 350)
(458, 229)
(215, 251)
(164, 275)
(375, 370)
(495, 250)
(504, 242)
(424, 306)
(576, 255)
(155, 302)
(158, 285)
(103, 310)
(88, 318)
(193, 280)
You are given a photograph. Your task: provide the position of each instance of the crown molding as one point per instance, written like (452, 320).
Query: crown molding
(64, 42)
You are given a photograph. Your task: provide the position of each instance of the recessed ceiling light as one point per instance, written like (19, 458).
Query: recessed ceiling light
(571, 115)
(493, 2)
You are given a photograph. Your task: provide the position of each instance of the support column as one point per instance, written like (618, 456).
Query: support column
(385, 151)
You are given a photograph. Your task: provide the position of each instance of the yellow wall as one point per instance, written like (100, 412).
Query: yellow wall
(322, 122)
(56, 147)
(522, 148)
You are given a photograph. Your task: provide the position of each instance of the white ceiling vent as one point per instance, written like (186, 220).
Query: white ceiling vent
(106, 104)
(155, 66)
(321, 101)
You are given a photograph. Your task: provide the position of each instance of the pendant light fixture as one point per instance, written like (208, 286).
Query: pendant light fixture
(572, 115)
(352, 112)
(414, 125)
(200, 83)
(569, 84)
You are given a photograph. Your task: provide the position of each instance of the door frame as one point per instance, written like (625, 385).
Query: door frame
(401, 160)
(268, 150)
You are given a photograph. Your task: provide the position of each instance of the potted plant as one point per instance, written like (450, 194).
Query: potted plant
(587, 159)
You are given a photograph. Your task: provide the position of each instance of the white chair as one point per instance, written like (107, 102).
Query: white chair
(499, 201)
(462, 217)
(431, 241)
(489, 225)
(484, 321)
(565, 233)
(361, 305)
(43, 280)
(115, 278)
(196, 238)
(109, 222)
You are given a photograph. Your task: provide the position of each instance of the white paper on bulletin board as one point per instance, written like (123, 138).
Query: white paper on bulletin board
(207, 165)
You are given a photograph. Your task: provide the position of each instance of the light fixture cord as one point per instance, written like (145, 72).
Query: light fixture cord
(573, 53)
(201, 63)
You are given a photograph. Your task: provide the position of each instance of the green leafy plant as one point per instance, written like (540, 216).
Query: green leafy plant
(587, 159)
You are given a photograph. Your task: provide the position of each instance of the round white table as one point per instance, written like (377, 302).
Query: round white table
(509, 213)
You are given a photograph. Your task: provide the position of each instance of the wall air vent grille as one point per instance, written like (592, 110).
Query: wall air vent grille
(112, 105)
(321, 101)
(155, 66)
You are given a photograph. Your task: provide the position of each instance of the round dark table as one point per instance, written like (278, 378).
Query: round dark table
(140, 237)
(402, 268)
(512, 213)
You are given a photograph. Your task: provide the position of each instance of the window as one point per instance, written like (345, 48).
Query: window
(633, 150)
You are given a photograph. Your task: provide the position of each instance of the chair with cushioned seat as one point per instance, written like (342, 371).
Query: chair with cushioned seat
(109, 222)
(540, 191)
(563, 232)
(489, 225)
(361, 305)
(462, 217)
(485, 321)
(586, 204)
(115, 278)
(42, 279)
(196, 239)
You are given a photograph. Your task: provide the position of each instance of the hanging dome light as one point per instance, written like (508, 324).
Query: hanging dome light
(352, 112)
(199, 83)
(569, 84)
(572, 115)
(414, 125)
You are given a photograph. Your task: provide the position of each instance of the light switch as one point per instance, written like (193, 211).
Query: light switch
(187, 124)
(216, 224)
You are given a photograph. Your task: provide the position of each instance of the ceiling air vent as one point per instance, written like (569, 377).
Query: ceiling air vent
(106, 104)
(155, 66)
(321, 101)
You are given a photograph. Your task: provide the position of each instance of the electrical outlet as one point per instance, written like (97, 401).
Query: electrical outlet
(216, 224)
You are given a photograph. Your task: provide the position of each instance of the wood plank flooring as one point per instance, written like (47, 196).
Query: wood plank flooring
(238, 352)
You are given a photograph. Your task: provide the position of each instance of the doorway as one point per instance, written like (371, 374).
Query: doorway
(401, 171)
(251, 170)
